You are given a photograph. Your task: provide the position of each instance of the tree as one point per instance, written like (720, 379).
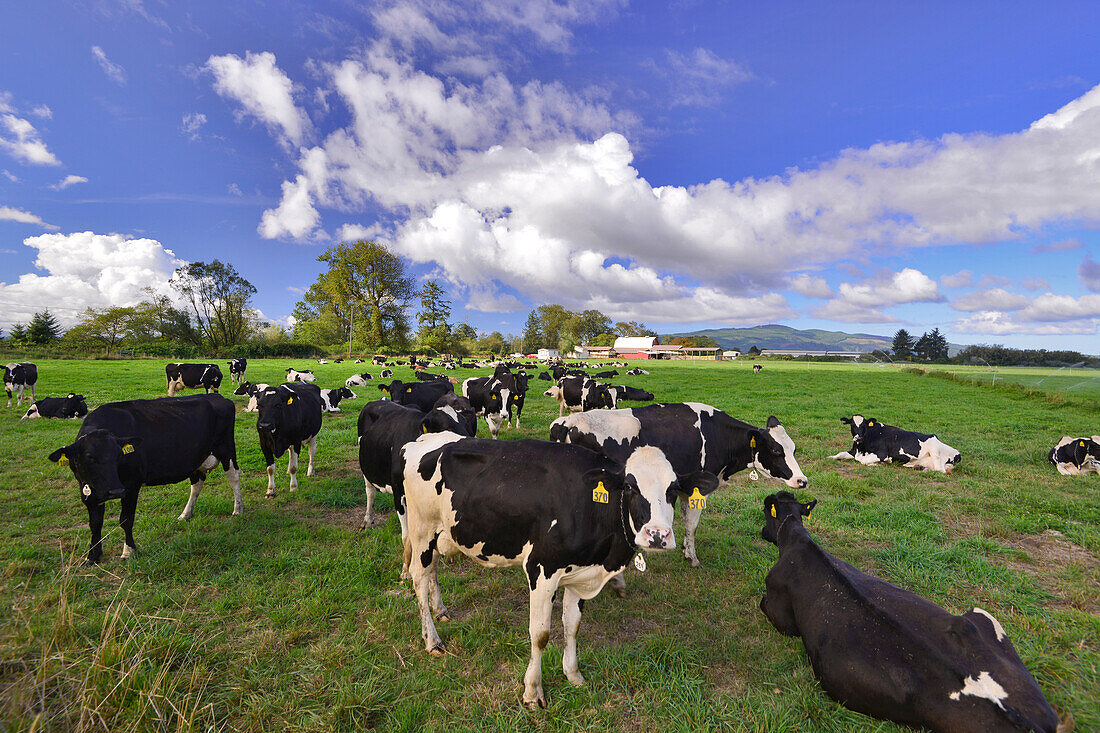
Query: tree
(632, 329)
(604, 339)
(18, 335)
(903, 344)
(43, 329)
(588, 325)
(493, 343)
(754, 350)
(156, 318)
(219, 298)
(107, 327)
(923, 347)
(938, 349)
(464, 331)
(435, 308)
(533, 338)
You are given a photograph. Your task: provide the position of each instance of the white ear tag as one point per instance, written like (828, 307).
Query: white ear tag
(87, 490)
(639, 562)
(754, 475)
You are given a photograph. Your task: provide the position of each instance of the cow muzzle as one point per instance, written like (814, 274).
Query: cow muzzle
(797, 482)
(654, 537)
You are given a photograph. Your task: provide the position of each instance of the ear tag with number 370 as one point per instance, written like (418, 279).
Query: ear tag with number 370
(754, 475)
(639, 562)
(599, 494)
(697, 500)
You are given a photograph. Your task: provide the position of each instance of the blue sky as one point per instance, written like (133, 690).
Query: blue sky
(851, 166)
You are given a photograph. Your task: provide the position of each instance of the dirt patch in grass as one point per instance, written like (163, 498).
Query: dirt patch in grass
(1052, 549)
(1052, 557)
(350, 517)
(727, 679)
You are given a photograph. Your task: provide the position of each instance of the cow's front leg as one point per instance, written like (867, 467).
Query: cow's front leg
(571, 607)
(312, 445)
(542, 605)
(95, 523)
(292, 465)
(126, 521)
(843, 455)
(270, 459)
(368, 515)
(691, 523)
(421, 568)
(618, 582)
(233, 473)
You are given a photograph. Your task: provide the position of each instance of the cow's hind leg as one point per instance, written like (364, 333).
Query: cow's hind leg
(542, 605)
(422, 568)
(691, 523)
(618, 582)
(292, 465)
(368, 515)
(571, 607)
(197, 479)
(233, 473)
(126, 520)
(312, 445)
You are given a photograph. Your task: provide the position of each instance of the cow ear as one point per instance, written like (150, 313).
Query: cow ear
(61, 456)
(704, 482)
(1080, 451)
(846, 420)
(807, 508)
(769, 506)
(600, 480)
(773, 422)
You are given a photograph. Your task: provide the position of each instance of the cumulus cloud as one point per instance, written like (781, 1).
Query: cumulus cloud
(1001, 324)
(8, 213)
(961, 279)
(988, 300)
(22, 141)
(43, 111)
(810, 286)
(113, 71)
(191, 124)
(86, 269)
(1063, 245)
(860, 303)
(262, 90)
(1089, 272)
(699, 77)
(69, 180)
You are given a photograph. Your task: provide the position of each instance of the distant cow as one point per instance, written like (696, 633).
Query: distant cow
(17, 377)
(253, 391)
(300, 375)
(1073, 456)
(886, 652)
(379, 360)
(290, 415)
(606, 374)
(237, 368)
(544, 376)
(386, 374)
(756, 368)
(122, 446)
(874, 442)
(422, 395)
(358, 380)
(330, 398)
(629, 394)
(322, 361)
(192, 376)
(580, 394)
(65, 408)
(637, 371)
(569, 517)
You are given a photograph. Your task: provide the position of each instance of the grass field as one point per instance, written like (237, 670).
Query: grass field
(1063, 381)
(287, 618)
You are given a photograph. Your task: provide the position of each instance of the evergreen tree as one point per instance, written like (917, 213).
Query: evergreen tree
(533, 338)
(903, 344)
(754, 350)
(435, 309)
(922, 349)
(938, 345)
(43, 329)
(18, 335)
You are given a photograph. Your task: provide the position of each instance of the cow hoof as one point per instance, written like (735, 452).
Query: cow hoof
(311, 472)
(620, 592)
(695, 562)
(438, 650)
(238, 511)
(90, 563)
(540, 702)
(443, 618)
(270, 494)
(576, 678)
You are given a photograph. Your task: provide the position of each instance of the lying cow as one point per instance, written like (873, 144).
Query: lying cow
(122, 446)
(237, 368)
(693, 436)
(571, 518)
(378, 360)
(300, 375)
(253, 391)
(66, 408)
(422, 395)
(1073, 456)
(17, 377)
(290, 414)
(192, 376)
(330, 398)
(874, 442)
(628, 394)
(637, 371)
(358, 380)
(386, 374)
(606, 374)
(886, 652)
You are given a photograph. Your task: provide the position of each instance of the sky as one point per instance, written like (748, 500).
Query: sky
(856, 166)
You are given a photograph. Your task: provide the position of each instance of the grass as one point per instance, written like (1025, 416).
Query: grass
(287, 618)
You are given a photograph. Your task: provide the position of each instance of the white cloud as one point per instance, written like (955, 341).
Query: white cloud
(1052, 308)
(85, 269)
(1045, 314)
(23, 141)
(997, 299)
(860, 303)
(1000, 324)
(113, 71)
(961, 279)
(810, 286)
(191, 124)
(234, 190)
(8, 213)
(700, 77)
(262, 90)
(1089, 272)
(1035, 283)
(43, 111)
(69, 180)
(295, 216)
(1059, 246)
(9, 175)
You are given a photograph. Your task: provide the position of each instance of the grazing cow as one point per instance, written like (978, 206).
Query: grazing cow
(65, 408)
(756, 368)
(383, 428)
(386, 374)
(490, 399)
(290, 414)
(874, 442)
(694, 436)
(192, 376)
(17, 377)
(237, 368)
(570, 517)
(886, 652)
(636, 371)
(300, 375)
(629, 394)
(1073, 456)
(580, 394)
(358, 380)
(330, 398)
(122, 446)
(422, 395)
(253, 391)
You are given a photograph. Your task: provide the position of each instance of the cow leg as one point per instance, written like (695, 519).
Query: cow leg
(438, 609)
(571, 607)
(691, 522)
(843, 455)
(95, 523)
(561, 409)
(9, 396)
(126, 521)
(368, 515)
(494, 426)
(312, 445)
(868, 459)
(233, 473)
(779, 612)
(270, 480)
(292, 465)
(542, 605)
(421, 569)
(197, 479)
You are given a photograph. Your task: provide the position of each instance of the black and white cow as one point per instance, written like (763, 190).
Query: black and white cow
(192, 376)
(386, 374)
(290, 414)
(330, 398)
(322, 361)
(122, 446)
(358, 380)
(580, 394)
(637, 371)
(237, 368)
(874, 442)
(300, 375)
(628, 394)
(513, 388)
(422, 395)
(1073, 456)
(383, 428)
(570, 517)
(378, 360)
(491, 399)
(17, 377)
(886, 652)
(65, 408)
(756, 368)
(253, 391)
(606, 374)
(694, 436)
(544, 376)
(463, 410)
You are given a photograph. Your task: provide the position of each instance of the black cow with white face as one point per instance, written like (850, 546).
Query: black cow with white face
(513, 389)
(192, 376)
(422, 395)
(122, 446)
(491, 399)
(237, 368)
(1074, 456)
(290, 415)
(886, 652)
(18, 376)
(569, 517)
(695, 437)
(875, 442)
(330, 398)
(581, 394)
(65, 408)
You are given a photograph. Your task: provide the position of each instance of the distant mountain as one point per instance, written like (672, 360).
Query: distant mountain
(776, 336)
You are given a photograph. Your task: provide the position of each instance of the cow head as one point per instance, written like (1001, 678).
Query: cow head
(274, 405)
(98, 459)
(243, 389)
(345, 393)
(446, 419)
(772, 453)
(1071, 455)
(75, 406)
(781, 508)
(859, 426)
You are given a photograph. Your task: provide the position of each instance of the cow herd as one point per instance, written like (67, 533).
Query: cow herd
(573, 512)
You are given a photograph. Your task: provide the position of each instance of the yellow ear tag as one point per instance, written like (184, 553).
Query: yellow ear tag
(773, 510)
(289, 400)
(127, 448)
(808, 514)
(697, 500)
(1082, 444)
(752, 442)
(599, 494)
(410, 389)
(870, 423)
(63, 461)
(424, 428)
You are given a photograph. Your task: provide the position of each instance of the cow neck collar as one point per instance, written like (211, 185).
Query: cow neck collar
(624, 514)
(779, 530)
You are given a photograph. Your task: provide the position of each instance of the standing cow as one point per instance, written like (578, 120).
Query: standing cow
(17, 377)
(122, 446)
(290, 414)
(192, 376)
(237, 368)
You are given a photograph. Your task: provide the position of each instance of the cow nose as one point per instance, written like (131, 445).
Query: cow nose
(802, 483)
(659, 538)
(797, 482)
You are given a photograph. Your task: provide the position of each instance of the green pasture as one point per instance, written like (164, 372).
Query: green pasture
(288, 618)
(1066, 381)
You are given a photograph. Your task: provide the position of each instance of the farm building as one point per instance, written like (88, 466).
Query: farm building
(549, 354)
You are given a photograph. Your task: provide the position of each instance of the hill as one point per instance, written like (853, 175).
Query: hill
(776, 336)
